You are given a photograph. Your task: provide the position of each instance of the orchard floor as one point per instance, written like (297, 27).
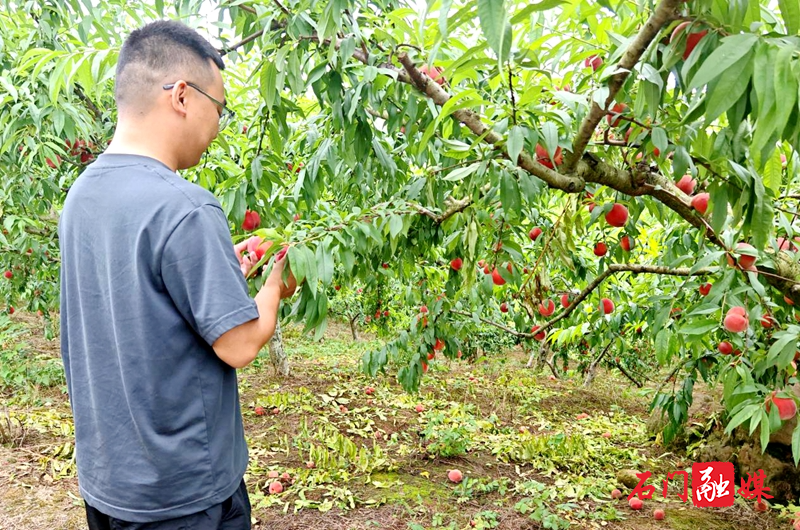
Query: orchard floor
(532, 450)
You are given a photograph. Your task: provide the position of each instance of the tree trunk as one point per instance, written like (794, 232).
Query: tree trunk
(354, 329)
(540, 356)
(277, 353)
(591, 371)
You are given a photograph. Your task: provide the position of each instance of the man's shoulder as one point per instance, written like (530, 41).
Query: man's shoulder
(150, 179)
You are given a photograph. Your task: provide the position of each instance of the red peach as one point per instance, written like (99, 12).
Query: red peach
(594, 61)
(497, 278)
(787, 407)
(600, 249)
(617, 216)
(616, 111)
(251, 220)
(454, 475)
(434, 72)
(686, 184)
(700, 202)
(544, 158)
(735, 323)
(744, 261)
(606, 306)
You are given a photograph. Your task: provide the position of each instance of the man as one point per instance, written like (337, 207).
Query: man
(155, 312)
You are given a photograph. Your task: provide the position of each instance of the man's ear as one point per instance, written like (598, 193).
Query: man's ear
(178, 97)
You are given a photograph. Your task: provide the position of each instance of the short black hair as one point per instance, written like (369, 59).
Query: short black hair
(153, 53)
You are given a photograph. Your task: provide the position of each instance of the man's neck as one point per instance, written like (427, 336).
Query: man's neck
(128, 140)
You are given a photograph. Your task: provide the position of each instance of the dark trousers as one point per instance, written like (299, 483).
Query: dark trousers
(231, 514)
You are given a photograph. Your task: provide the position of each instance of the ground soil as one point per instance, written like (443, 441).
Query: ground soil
(39, 490)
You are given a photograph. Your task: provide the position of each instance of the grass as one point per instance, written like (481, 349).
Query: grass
(532, 451)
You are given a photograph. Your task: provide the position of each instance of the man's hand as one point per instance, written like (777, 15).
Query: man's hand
(275, 277)
(249, 252)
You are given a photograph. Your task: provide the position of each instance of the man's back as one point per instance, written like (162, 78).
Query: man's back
(149, 282)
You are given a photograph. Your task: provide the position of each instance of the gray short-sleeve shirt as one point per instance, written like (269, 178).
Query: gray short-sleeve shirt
(149, 280)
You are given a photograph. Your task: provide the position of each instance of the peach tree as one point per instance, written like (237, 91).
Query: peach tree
(603, 180)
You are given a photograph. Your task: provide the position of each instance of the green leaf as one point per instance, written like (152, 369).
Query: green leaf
(256, 171)
(311, 269)
(545, 5)
(492, 16)
(772, 172)
(386, 161)
(730, 87)
(472, 238)
(505, 45)
(742, 416)
(325, 263)
(462, 172)
(785, 86)
(662, 346)
(782, 351)
(796, 444)
(729, 52)
(660, 139)
(790, 9)
(699, 327)
(444, 9)
(764, 430)
(516, 137)
(298, 264)
(719, 209)
(509, 192)
(761, 222)
(707, 260)
(347, 47)
(763, 82)
(550, 135)
(395, 225)
(269, 77)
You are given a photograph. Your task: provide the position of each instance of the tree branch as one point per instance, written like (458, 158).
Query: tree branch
(225, 51)
(626, 374)
(274, 26)
(96, 112)
(666, 11)
(377, 114)
(282, 7)
(473, 121)
(453, 208)
(244, 8)
(495, 324)
(613, 269)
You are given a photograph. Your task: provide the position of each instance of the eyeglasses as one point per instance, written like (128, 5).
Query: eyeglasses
(226, 115)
